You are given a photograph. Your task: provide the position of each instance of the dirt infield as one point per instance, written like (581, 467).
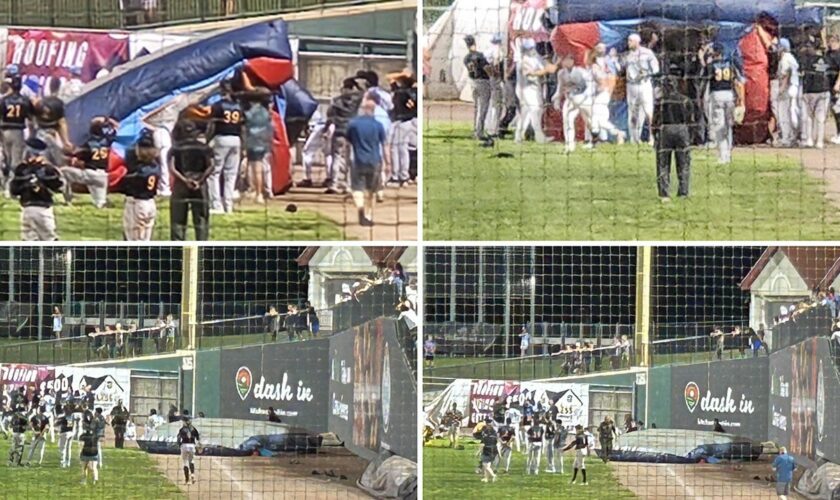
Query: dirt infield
(696, 481)
(256, 478)
(395, 217)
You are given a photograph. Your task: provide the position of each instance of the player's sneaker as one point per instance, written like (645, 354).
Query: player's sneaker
(808, 144)
(193, 479)
(484, 480)
(83, 482)
(550, 471)
(835, 139)
(574, 481)
(494, 479)
(586, 484)
(260, 200)
(620, 138)
(217, 211)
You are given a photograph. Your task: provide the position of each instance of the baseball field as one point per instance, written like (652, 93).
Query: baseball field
(535, 192)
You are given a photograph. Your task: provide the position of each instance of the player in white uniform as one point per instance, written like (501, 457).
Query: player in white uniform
(514, 416)
(604, 84)
(788, 95)
(318, 142)
(49, 405)
(529, 90)
(495, 58)
(641, 66)
(575, 87)
(152, 423)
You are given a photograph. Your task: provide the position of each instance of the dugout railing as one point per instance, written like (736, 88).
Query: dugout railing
(133, 14)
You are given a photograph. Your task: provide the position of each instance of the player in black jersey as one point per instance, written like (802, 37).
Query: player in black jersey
(190, 163)
(489, 450)
(726, 93)
(226, 131)
(65, 424)
(581, 446)
(140, 188)
(35, 180)
(52, 125)
(18, 424)
(536, 433)
(15, 110)
(188, 439)
(506, 436)
(89, 165)
(39, 423)
(476, 64)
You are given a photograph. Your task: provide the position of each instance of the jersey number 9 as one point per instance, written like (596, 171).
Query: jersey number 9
(151, 183)
(232, 117)
(724, 74)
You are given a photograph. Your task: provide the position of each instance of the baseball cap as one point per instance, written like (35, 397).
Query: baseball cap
(784, 44)
(635, 36)
(497, 39)
(36, 145)
(529, 44)
(469, 40)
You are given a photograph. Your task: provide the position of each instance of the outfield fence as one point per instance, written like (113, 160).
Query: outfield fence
(128, 14)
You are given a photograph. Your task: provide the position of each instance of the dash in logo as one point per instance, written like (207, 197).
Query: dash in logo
(692, 396)
(243, 382)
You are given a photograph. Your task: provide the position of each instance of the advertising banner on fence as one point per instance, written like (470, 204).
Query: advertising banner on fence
(73, 56)
(14, 375)
(108, 385)
(735, 392)
(478, 399)
(293, 378)
(805, 400)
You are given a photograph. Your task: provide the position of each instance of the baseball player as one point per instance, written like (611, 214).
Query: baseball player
(574, 85)
(581, 449)
(536, 433)
(152, 424)
(641, 66)
(18, 425)
(816, 93)
(35, 180)
(557, 444)
(605, 79)
(226, 129)
(788, 100)
(188, 439)
(404, 129)
(140, 188)
(15, 110)
(606, 433)
(529, 91)
(88, 455)
(52, 125)
(452, 421)
(489, 451)
(98, 427)
(477, 64)
(726, 94)
(49, 410)
(39, 423)
(506, 438)
(89, 165)
(65, 423)
(514, 416)
(319, 141)
(495, 64)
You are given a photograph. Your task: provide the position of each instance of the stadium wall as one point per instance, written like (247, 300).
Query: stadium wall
(658, 407)
(207, 370)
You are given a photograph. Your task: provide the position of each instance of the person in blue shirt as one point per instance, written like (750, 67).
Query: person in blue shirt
(783, 465)
(368, 139)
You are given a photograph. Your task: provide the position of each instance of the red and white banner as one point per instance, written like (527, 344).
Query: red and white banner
(484, 394)
(17, 374)
(76, 56)
(525, 21)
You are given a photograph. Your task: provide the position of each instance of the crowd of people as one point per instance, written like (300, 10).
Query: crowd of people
(681, 89)
(533, 429)
(215, 155)
(70, 415)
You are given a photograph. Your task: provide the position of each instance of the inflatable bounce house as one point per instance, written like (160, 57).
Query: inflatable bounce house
(743, 28)
(155, 89)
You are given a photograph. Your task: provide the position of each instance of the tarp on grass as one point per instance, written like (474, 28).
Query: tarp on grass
(674, 446)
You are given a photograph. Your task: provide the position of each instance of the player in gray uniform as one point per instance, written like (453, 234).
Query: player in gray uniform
(641, 66)
(575, 84)
(726, 93)
(33, 184)
(535, 445)
(140, 188)
(15, 110)
(477, 66)
(39, 422)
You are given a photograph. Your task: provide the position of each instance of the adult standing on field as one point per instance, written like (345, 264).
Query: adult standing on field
(641, 67)
(606, 433)
(190, 164)
(225, 131)
(673, 112)
(783, 466)
(119, 421)
(477, 64)
(368, 139)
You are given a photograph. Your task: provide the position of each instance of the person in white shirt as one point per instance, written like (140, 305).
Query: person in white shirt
(513, 415)
(789, 88)
(530, 92)
(575, 90)
(318, 143)
(49, 405)
(495, 58)
(641, 66)
(604, 84)
(524, 341)
(152, 423)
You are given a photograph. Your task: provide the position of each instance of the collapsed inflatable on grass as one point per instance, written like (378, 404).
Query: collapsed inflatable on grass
(678, 446)
(228, 437)
(152, 90)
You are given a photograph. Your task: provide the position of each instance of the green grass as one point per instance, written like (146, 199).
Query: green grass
(610, 194)
(450, 473)
(128, 473)
(83, 221)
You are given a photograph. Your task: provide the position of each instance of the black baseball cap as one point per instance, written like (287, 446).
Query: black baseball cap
(36, 144)
(469, 40)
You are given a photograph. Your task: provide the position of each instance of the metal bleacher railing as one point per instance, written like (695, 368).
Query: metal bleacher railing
(128, 14)
(223, 325)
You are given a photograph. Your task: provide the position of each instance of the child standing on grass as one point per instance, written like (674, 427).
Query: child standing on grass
(581, 447)
(89, 456)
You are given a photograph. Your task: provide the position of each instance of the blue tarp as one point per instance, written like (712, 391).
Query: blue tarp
(157, 76)
(739, 11)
